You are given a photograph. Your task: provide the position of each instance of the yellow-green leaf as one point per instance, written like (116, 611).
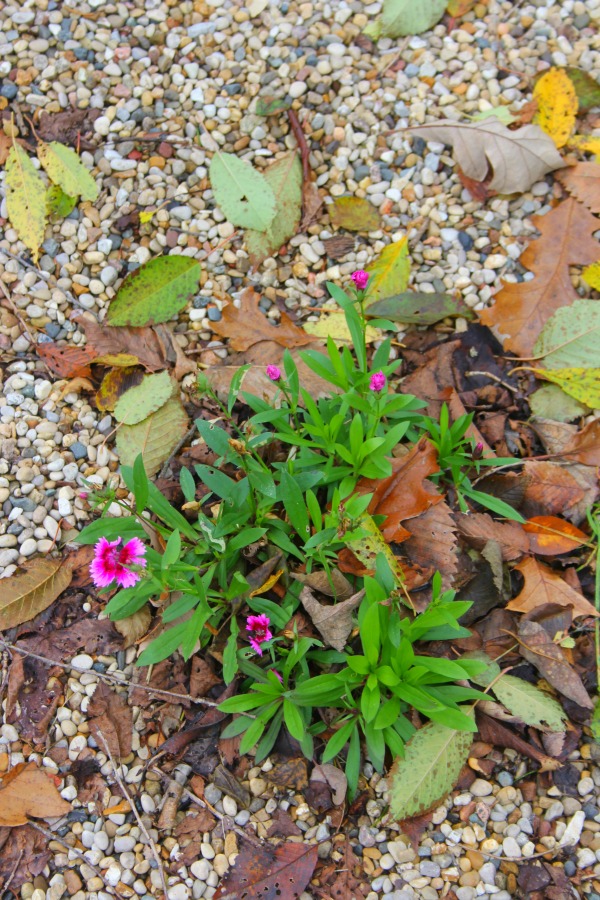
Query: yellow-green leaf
(334, 325)
(24, 596)
(58, 204)
(25, 199)
(354, 214)
(155, 437)
(591, 275)
(389, 272)
(583, 384)
(65, 169)
(557, 105)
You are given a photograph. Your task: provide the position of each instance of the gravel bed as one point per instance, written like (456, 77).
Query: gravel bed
(169, 67)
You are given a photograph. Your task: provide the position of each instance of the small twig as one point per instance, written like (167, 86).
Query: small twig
(14, 869)
(138, 818)
(509, 387)
(302, 144)
(176, 450)
(107, 676)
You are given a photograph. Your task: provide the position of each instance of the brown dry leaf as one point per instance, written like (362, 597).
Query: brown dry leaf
(5, 145)
(537, 648)
(75, 386)
(24, 596)
(333, 584)
(283, 825)
(257, 871)
(134, 627)
(290, 773)
(430, 380)
(27, 791)
(247, 325)
(202, 677)
(339, 246)
(67, 126)
(115, 383)
(551, 489)
(479, 190)
(24, 855)
(583, 182)
(432, 542)
(112, 720)
(543, 586)
(584, 446)
(494, 733)
(66, 360)
(335, 778)
(333, 620)
(551, 536)
(479, 528)
(144, 344)
(351, 881)
(405, 493)
(521, 310)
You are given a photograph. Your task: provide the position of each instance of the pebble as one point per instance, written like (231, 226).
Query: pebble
(83, 661)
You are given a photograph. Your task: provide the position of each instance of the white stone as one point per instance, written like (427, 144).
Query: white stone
(510, 848)
(573, 830)
(200, 869)
(297, 88)
(83, 661)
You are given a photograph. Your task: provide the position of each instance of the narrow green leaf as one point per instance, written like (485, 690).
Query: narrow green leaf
(230, 654)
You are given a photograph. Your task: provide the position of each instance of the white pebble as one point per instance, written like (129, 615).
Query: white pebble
(83, 661)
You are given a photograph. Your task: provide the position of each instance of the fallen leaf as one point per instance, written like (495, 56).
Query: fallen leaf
(354, 214)
(584, 447)
(155, 437)
(146, 398)
(283, 825)
(334, 324)
(66, 360)
(549, 401)
(332, 620)
(551, 536)
(332, 583)
(335, 778)
(285, 178)
(518, 158)
(247, 325)
(414, 308)
(583, 182)
(155, 292)
(533, 877)
(27, 791)
(557, 105)
(404, 17)
(290, 773)
(479, 528)
(543, 586)
(350, 876)
(269, 872)
(571, 337)
(550, 489)
(587, 143)
(582, 384)
(339, 246)
(586, 88)
(25, 854)
(5, 145)
(537, 648)
(111, 719)
(242, 192)
(493, 732)
(432, 543)
(115, 383)
(25, 199)
(202, 677)
(459, 8)
(521, 310)
(65, 169)
(67, 126)
(27, 594)
(134, 627)
(591, 275)
(389, 272)
(151, 347)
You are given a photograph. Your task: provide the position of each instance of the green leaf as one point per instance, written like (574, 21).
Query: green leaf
(145, 398)
(595, 721)
(369, 703)
(155, 292)
(65, 169)
(140, 484)
(571, 337)
(164, 645)
(488, 675)
(586, 88)
(416, 308)
(58, 204)
(244, 195)
(293, 720)
(433, 759)
(338, 740)
(582, 384)
(389, 272)
(252, 735)
(270, 106)
(530, 704)
(230, 654)
(293, 502)
(401, 18)
(110, 528)
(284, 177)
(550, 402)
(25, 199)
(154, 438)
(354, 214)
(188, 485)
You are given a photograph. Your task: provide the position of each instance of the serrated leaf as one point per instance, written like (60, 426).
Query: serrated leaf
(550, 402)
(433, 759)
(414, 308)
(389, 272)
(155, 292)
(25, 199)
(571, 337)
(400, 18)
(58, 204)
(557, 105)
(154, 438)
(284, 176)
(530, 704)
(242, 192)
(65, 169)
(144, 399)
(25, 595)
(582, 384)
(591, 275)
(354, 214)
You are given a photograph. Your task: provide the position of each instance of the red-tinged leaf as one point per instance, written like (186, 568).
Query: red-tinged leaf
(66, 360)
(551, 536)
(269, 873)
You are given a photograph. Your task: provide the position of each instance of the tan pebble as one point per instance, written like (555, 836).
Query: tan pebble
(230, 845)
(156, 161)
(95, 884)
(469, 879)
(476, 858)
(490, 845)
(372, 852)
(220, 864)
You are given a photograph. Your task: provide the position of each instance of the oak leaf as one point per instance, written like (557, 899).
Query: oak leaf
(543, 586)
(521, 310)
(583, 182)
(27, 791)
(247, 325)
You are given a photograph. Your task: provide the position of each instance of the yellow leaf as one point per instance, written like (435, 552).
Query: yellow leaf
(25, 199)
(586, 142)
(389, 272)
(583, 384)
(66, 170)
(354, 214)
(146, 216)
(334, 325)
(557, 105)
(592, 275)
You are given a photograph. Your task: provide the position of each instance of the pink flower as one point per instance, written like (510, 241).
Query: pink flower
(360, 279)
(277, 674)
(377, 382)
(477, 450)
(274, 373)
(83, 495)
(259, 628)
(112, 564)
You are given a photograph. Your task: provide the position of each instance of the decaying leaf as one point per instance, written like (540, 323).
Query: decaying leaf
(335, 778)
(66, 170)
(414, 308)
(551, 536)
(155, 292)
(285, 178)
(389, 272)
(478, 528)
(111, 720)
(134, 627)
(521, 310)
(247, 325)
(354, 214)
(27, 791)
(403, 17)
(242, 192)
(557, 105)
(332, 620)
(584, 446)
(571, 337)
(543, 586)
(582, 384)
(518, 158)
(261, 872)
(332, 583)
(531, 705)
(537, 648)
(25, 595)
(144, 399)
(154, 437)
(432, 543)
(25, 199)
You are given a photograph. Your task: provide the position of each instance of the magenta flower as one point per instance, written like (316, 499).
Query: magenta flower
(258, 626)
(112, 563)
(83, 495)
(360, 279)
(377, 382)
(274, 373)
(478, 450)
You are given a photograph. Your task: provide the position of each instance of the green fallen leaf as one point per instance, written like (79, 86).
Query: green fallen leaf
(400, 18)
(155, 292)
(144, 399)
(533, 706)
(582, 384)
(389, 272)
(571, 337)
(502, 113)
(65, 169)
(586, 88)
(284, 176)
(414, 308)
(271, 106)
(242, 192)
(551, 402)
(155, 437)
(58, 204)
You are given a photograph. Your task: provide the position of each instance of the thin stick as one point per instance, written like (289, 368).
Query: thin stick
(107, 676)
(176, 450)
(509, 387)
(139, 819)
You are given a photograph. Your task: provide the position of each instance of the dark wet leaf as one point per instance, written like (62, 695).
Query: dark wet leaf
(537, 648)
(269, 873)
(112, 720)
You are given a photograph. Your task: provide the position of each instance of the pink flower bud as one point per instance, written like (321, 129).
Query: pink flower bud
(478, 450)
(274, 373)
(360, 279)
(377, 382)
